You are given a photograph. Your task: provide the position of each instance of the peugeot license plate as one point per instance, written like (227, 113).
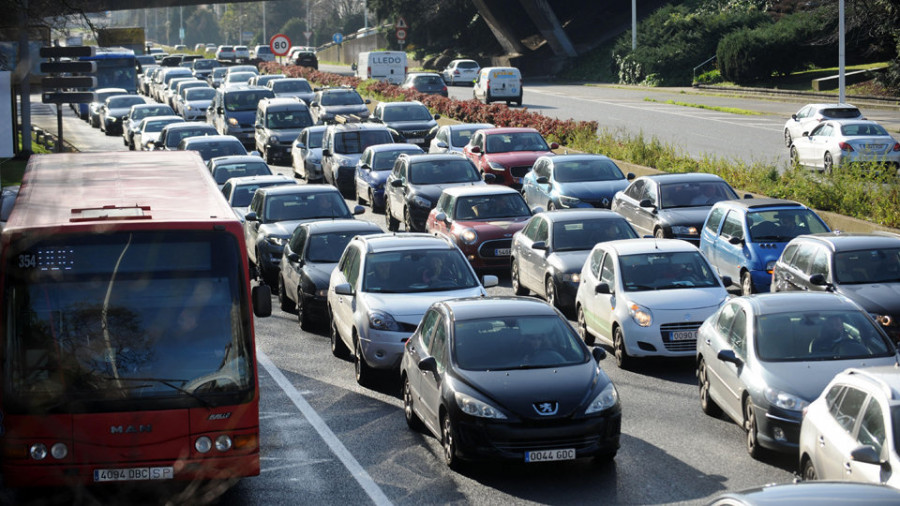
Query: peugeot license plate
(550, 455)
(502, 252)
(134, 474)
(683, 335)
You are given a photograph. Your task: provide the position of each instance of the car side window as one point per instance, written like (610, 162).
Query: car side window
(608, 272)
(478, 140)
(443, 203)
(819, 263)
(530, 230)
(833, 398)
(737, 336)
(256, 203)
(715, 217)
(350, 267)
(226, 191)
(542, 169)
(438, 348)
(428, 323)
(788, 254)
(726, 318)
(871, 428)
(732, 226)
(397, 171)
(634, 191)
(651, 193)
(804, 257)
(850, 408)
(298, 240)
(542, 231)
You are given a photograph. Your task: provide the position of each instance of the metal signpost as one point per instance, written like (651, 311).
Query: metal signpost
(401, 27)
(56, 89)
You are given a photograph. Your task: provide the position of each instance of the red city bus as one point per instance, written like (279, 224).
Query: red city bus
(128, 351)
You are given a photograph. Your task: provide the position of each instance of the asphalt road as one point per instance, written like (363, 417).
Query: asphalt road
(327, 440)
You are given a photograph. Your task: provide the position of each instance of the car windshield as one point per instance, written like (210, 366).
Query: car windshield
(298, 118)
(819, 335)
(120, 102)
(407, 112)
(355, 142)
(516, 342)
(862, 129)
(586, 170)
(209, 150)
(246, 100)
(517, 141)
(314, 139)
(243, 194)
(200, 94)
(159, 110)
(306, 206)
(239, 77)
(458, 170)
(283, 85)
(461, 136)
(384, 160)
(666, 270)
(694, 194)
(175, 137)
(428, 80)
(157, 126)
(582, 235)
(467, 65)
(867, 267)
(417, 271)
(342, 98)
(783, 225)
(225, 171)
(205, 64)
(219, 72)
(327, 247)
(489, 207)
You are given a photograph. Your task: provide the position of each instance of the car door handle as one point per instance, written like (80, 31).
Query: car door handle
(709, 342)
(822, 441)
(847, 467)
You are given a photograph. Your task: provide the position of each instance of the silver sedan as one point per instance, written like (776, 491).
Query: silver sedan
(838, 142)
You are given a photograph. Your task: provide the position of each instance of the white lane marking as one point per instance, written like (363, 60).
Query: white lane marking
(359, 474)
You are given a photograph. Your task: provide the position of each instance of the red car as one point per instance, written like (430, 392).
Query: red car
(481, 220)
(507, 153)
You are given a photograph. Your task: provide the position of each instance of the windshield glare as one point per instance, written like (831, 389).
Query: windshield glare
(417, 271)
(443, 172)
(306, 206)
(487, 207)
(694, 194)
(586, 170)
(517, 141)
(520, 342)
(666, 271)
(818, 336)
(867, 266)
(583, 235)
(413, 112)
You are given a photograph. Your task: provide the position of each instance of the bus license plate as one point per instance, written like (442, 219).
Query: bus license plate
(683, 335)
(134, 474)
(550, 455)
(502, 252)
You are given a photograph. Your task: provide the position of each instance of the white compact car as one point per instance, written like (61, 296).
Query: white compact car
(811, 115)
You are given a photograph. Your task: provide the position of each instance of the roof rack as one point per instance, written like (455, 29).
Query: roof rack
(885, 387)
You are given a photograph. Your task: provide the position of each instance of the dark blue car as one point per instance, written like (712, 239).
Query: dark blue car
(374, 167)
(573, 181)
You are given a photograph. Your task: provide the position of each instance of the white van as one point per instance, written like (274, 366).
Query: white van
(387, 66)
(499, 84)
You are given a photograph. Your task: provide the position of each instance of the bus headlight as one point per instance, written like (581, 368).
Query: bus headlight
(59, 451)
(38, 451)
(223, 443)
(203, 444)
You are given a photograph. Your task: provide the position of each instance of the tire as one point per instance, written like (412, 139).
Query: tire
(448, 442)
(302, 314)
(795, 156)
(788, 141)
(623, 360)
(359, 199)
(287, 305)
(517, 287)
(363, 371)
(828, 163)
(550, 206)
(808, 472)
(708, 405)
(581, 326)
(131, 146)
(412, 419)
(746, 283)
(750, 426)
(659, 234)
(393, 224)
(550, 292)
(407, 220)
(372, 201)
(268, 157)
(338, 348)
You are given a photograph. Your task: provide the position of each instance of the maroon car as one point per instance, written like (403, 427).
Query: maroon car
(507, 153)
(481, 220)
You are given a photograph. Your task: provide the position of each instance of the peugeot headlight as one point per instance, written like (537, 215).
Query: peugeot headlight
(468, 236)
(381, 320)
(682, 230)
(473, 407)
(496, 166)
(571, 277)
(233, 122)
(276, 241)
(640, 315)
(421, 202)
(606, 399)
(785, 400)
(568, 201)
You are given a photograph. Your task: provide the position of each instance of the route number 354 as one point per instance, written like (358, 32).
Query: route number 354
(27, 261)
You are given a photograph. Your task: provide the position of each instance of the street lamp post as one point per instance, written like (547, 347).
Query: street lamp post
(841, 53)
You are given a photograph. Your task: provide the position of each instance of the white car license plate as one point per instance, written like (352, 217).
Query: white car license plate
(501, 252)
(134, 474)
(683, 335)
(415, 141)
(550, 455)
(878, 147)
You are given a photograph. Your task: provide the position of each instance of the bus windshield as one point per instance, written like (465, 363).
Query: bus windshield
(110, 321)
(116, 73)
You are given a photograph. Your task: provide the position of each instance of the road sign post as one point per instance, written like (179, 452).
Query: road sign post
(56, 86)
(280, 44)
(401, 30)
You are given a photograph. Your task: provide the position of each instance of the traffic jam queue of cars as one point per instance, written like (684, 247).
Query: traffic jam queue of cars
(804, 359)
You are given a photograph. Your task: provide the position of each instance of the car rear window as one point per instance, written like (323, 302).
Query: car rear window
(841, 113)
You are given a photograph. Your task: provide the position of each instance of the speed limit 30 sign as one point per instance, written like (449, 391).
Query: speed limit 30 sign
(280, 44)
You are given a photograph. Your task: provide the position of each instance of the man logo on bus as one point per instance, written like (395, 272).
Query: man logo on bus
(129, 429)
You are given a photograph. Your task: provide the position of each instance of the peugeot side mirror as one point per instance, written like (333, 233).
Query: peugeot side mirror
(729, 356)
(602, 288)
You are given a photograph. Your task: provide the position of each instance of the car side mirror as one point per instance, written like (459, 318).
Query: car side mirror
(554, 145)
(599, 353)
(629, 176)
(261, 298)
(726, 280)
(326, 152)
(729, 356)
(428, 364)
(353, 67)
(257, 126)
(735, 240)
(368, 101)
(542, 180)
(805, 134)
(476, 150)
(865, 454)
(646, 203)
(251, 216)
(255, 153)
(397, 183)
(343, 289)
(748, 196)
(540, 245)
(358, 210)
(314, 104)
(818, 280)
(365, 166)
(603, 288)
(537, 209)
(794, 117)
(489, 178)
(437, 116)
(489, 280)
(442, 145)
(293, 257)
(442, 217)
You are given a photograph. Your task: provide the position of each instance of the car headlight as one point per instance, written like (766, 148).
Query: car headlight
(473, 407)
(468, 236)
(606, 399)
(189, 108)
(233, 122)
(421, 202)
(568, 201)
(681, 230)
(271, 141)
(571, 277)
(276, 241)
(496, 166)
(640, 315)
(785, 400)
(381, 320)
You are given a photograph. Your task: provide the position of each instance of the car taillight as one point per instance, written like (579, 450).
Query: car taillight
(897, 146)
(845, 147)
(456, 72)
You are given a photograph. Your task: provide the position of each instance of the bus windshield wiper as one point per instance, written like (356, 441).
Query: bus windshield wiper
(168, 383)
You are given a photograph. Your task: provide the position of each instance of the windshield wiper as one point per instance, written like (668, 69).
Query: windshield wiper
(168, 383)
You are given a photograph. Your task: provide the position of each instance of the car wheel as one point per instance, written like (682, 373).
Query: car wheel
(412, 419)
(550, 206)
(372, 200)
(302, 313)
(393, 224)
(753, 447)
(586, 336)
(517, 287)
(829, 163)
(623, 360)
(659, 234)
(518, 103)
(363, 371)
(809, 470)
(708, 405)
(268, 157)
(795, 156)
(287, 305)
(448, 441)
(407, 220)
(131, 146)
(746, 283)
(338, 348)
(359, 198)
(550, 292)
(788, 142)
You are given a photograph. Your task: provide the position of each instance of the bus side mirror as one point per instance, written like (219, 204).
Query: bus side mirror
(261, 296)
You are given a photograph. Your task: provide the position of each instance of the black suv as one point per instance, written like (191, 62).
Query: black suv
(865, 268)
(330, 102)
(412, 119)
(306, 59)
